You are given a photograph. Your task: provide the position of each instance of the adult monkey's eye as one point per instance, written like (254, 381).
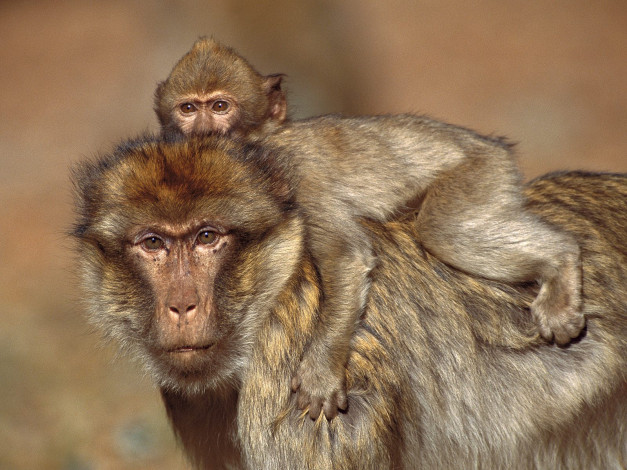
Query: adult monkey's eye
(152, 243)
(188, 108)
(207, 237)
(220, 106)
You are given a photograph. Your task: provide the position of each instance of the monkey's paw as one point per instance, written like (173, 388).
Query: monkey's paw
(558, 314)
(319, 389)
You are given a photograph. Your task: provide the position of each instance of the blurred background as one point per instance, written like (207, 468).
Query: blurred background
(76, 77)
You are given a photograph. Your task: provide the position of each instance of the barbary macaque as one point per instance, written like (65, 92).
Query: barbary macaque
(195, 258)
(466, 187)
(212, 89)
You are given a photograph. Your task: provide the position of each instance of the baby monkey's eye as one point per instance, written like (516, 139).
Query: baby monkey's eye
(207, 237)
(152, 243)
(188, 108)
(220, 106)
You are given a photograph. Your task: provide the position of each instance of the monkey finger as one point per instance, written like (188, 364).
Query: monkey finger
(564, 330)
(576, 324)
(561, 338)
(330, 409)
(295, 383)
(545, 332)
(570, 332)
(342, 401)
(315, 407)
(303, 400)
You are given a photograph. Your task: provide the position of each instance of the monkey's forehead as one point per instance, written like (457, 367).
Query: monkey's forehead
(244, 86)
(209, 68)
(160, 182)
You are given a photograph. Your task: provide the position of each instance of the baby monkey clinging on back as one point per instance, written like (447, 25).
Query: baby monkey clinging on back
(472, 213)
(213, 90)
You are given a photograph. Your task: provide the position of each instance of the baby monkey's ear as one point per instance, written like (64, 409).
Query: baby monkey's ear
(277, 103)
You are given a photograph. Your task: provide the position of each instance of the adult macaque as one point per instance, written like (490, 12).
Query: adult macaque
(195, 258)
(468, 187)
(214, 90)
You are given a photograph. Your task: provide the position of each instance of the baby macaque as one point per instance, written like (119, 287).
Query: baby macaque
(213, 90)
(471, 211)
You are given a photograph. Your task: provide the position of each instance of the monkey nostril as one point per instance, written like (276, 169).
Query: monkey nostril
(178, 311)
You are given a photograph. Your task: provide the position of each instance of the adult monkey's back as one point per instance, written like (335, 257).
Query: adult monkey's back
(445, 370)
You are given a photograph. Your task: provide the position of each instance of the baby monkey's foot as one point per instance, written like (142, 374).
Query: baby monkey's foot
(320, 387)
(557, 310)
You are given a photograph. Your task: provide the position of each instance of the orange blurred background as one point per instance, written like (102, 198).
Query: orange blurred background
(76, 77)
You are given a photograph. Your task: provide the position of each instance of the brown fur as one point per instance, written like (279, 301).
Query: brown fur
(212, 72)
(471, 215)
(467, 188)
(444, 371)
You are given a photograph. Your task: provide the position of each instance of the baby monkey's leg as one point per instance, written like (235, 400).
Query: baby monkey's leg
(476, 221)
